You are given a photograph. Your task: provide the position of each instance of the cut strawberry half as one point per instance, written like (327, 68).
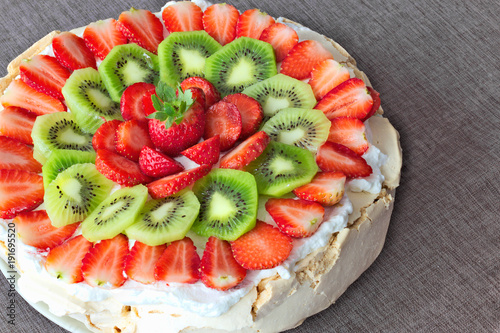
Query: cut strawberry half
(182, 16)
(349, 132)
(348, 99)
(252, 22)
(65, 261)
(327, 188)
(212, 95)
(223, 119)
(174, 183)
(245, 152)
(263, 247)
(20, 191)
(219, 270)
(142, 27)
(141, 262)
(219, 21)
(18, 156)
(17, 123)
(205, 152)
(119, 169)
(105, 262)
(302, 58)
(250, 111)
(101, 36)
(326, 75)
(281, 37)
(72, 52)
(105, 136)
(179, 263)
(376, 103)
(131, 137)
(156, 165)
(336, 157)
(132, 101)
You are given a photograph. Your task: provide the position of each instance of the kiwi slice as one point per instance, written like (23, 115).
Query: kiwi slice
(304, 128)
(87, 97)
(183, 55)
(280, 92)
(228, 204)
(125, 65)
(75, 193)
(165, 220)
(239, 64)
(60, 160)
(281, 168)
(57, 131)
(115, 214)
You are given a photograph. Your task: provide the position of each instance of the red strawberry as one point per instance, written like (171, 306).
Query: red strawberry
(35, 229)
(65, 261)
(20, 191)
(174, 183)
(336, 157)
(348, 99)
(205, 152)
(17, 123)
(327, 188)
(119, 169)
(101, 36)
(105, 136)
(219, 270)
(326, 75)
(281, 37)
(156, 165)
(45, 74)
(219, 21)
(179, 263)
(21, 95)
(245, 152)
(16, 155)
(212, 95)
(349, 132)
(131, 137)
(141, 262)
(142, 27)
(223, 119)
(71, 51)
(105, 262)
(376, 103)
(252, 22)
(132, 101)
(250, 111)
(182, 16)
(302, 58)
(263, 247)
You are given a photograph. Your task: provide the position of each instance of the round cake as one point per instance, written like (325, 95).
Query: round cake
(197, 169)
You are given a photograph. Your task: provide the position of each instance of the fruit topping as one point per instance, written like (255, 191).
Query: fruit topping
(60, 160)
(131, 137)
(250, 111)
(16, 155)
(141, 27)
(205, 152)
(182, 16)
(349, 132)
(174, 183)
(223, 119)
(376, 103)
(326, 75)
(120, 169)
(336, 157)
(219, 20)
(252, 22)
(156, 165)
(20, 191)
(212, 96)
(101, 36)
(132, 101)
(17, 123)
(141, 262)
(281, 37)
(71, 51)
(302, 58)
(245, 152)
(327, 188)
(179, 263)
(105, 136)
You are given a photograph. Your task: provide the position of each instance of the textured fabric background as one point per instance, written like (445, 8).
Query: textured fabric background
(436, 66)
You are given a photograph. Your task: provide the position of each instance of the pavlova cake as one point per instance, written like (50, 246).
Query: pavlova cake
(192, 170)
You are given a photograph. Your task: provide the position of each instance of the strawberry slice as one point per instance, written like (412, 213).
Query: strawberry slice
(17, 123)
(45, 74)
(141, 262)
(119, 169)
(182, 16)
(212, 95)
(327, 188)
(101, 36)
(105, 136)
(376, 103)
(336, 157)
(65, 261)
(72, 52)
(22, 95)
(219, 270)
(205, 152)
(348, 99)
(142, 27)
(250, 111)
(105, 262)
(179, 263)
(219, 21)
(35, 229)
(131, 137)
(302, 58)
(16, 155)
(245, 152)
(349, 132)
(132, 101)
(326, 75)
(156, 165)
(252, 22)
(20, 191)
(281, 37)
(174, 183)
(223, 119)
(263, 247)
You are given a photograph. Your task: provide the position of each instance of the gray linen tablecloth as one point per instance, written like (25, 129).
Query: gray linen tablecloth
(436, 66)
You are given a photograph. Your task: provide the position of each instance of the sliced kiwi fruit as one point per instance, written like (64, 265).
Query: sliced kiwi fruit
(183, 54)
(304, 128)
(115, 214)
(60, 160)
(228, 204)
(87, 97)
(281, 168)
(280, 92)
(58, 131)
(125, 65)
(240, 64)
(165, 220)
(75, 193)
